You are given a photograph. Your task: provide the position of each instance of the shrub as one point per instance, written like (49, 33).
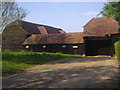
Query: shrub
(117, 50)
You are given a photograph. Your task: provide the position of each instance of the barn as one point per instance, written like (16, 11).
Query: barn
(16, 32)
(69, 43)
(100, 34)
(98, 38)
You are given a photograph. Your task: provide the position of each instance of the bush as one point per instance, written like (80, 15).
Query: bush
(117, 50)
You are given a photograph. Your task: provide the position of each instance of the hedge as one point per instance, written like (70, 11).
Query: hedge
(117, 49)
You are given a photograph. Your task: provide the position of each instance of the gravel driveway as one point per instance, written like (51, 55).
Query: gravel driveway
(88, 72)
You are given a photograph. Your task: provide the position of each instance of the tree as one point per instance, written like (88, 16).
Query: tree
(10, 12)
(111, 10)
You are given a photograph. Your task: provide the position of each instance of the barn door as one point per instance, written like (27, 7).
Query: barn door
(98, 47)
(90, 48)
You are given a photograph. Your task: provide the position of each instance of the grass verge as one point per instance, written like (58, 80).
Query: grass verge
(14, 62)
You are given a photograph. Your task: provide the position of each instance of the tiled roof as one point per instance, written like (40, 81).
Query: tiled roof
(32, 28)
(101, 26)
(42, 30)
(66, 38)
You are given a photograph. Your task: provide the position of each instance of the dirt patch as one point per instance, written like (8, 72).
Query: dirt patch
(88, 72)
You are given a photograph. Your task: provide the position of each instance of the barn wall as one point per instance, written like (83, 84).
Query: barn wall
(12, 38)
(57, 48)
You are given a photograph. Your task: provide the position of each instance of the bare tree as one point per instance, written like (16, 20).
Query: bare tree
(10, 12)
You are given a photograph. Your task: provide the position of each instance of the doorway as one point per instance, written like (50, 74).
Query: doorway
(97, 47)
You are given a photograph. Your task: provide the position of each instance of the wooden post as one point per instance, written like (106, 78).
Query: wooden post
(75, 51)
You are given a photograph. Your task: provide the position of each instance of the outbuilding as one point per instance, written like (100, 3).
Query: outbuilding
(100, 34)
(98, 38)
(69, 43)
(16, 32)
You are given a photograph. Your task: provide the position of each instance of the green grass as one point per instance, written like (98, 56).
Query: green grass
(14, 62)
(117, 50)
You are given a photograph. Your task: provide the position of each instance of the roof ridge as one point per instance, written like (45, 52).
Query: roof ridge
(40, 24)
(100, 18)
(107, 18)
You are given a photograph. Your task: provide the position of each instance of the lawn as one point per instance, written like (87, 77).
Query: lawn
(15, 62)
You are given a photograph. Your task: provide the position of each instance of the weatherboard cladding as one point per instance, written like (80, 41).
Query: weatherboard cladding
(56, 48)
(66, 38)
(101, 26)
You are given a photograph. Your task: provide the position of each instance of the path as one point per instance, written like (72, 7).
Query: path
(88, 72)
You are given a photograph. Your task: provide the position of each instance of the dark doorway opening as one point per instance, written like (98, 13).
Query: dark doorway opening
(97, 47)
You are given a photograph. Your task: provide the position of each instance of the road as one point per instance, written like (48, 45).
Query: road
(87, 72)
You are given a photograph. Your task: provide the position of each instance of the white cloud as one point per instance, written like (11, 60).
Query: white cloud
(92, 13)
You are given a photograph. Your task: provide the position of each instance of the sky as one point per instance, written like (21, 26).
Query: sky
(69, 16)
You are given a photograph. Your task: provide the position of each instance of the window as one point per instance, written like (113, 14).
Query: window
(63, 46)
(44, 46)
(27, 46)
(75, 46)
